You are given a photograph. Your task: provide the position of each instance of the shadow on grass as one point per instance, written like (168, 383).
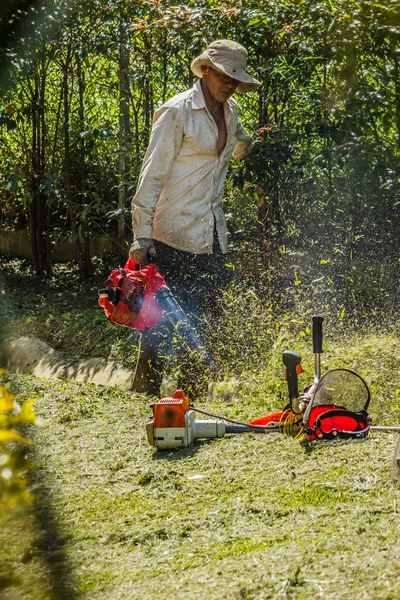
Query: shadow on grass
(181, 454)
(51, 542)
(321, 445)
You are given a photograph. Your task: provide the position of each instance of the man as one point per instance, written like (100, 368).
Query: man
(177, 214)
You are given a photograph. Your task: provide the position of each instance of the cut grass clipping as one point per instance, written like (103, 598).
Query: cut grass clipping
(244, 517)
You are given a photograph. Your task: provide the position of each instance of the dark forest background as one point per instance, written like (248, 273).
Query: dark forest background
(80, 81)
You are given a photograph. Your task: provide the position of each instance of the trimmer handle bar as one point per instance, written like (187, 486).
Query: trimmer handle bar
(317, 334)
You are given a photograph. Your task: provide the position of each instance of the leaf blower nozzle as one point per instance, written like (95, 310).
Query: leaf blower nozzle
(178, 318)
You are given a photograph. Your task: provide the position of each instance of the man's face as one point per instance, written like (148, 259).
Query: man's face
(220, 86)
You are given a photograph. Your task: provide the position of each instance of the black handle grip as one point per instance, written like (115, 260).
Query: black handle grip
(291, 360)
(317, 334)
(139, 267)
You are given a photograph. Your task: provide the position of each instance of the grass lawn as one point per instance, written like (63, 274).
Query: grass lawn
(243, 517)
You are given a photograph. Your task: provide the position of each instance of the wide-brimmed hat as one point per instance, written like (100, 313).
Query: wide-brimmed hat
(229, 58)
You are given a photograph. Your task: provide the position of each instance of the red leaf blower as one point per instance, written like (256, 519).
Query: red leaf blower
(138, 298)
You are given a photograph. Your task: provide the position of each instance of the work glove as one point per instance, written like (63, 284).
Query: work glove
(142, 251)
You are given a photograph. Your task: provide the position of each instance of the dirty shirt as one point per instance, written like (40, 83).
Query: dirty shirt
(181, 183)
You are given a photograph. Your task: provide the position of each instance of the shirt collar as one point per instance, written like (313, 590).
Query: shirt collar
(199, 102)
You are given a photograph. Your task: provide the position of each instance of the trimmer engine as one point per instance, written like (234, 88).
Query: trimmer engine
(174, 424)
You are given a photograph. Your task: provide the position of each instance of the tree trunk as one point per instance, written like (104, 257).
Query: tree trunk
(397, 96)
(164, 68)
(86, 258)
(327, 138)
(39, 225)
(33, 225)
(148, 96)
(396, 208)
(56, 131)
(45, 249)
(68, 162)
(124, 128)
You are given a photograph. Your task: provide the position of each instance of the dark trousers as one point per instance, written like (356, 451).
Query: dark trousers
(196, 282)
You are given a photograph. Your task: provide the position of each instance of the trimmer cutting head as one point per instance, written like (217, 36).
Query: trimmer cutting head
(332, 406)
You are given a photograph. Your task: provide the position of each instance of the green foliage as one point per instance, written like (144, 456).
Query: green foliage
(13, 455)
(327, 113)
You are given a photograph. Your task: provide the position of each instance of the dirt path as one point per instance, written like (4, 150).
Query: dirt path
(32, 356)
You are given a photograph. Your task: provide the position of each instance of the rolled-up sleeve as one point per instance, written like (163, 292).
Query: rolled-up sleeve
(244, 142)
(165, 143)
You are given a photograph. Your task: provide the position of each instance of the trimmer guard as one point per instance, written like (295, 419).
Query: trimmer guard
(338, 407)
(331, 422)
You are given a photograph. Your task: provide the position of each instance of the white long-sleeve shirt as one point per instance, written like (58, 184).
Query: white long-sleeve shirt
(181, 183)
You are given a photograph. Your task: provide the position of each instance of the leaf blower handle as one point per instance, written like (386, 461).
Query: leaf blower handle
(291, 360)
(151, 267)
(143, 252)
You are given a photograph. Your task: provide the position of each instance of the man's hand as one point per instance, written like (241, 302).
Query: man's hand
(143, 251)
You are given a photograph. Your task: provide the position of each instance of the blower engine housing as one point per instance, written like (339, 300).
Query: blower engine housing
(129, 298)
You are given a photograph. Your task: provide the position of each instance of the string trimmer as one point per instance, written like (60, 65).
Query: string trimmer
(333, 406)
